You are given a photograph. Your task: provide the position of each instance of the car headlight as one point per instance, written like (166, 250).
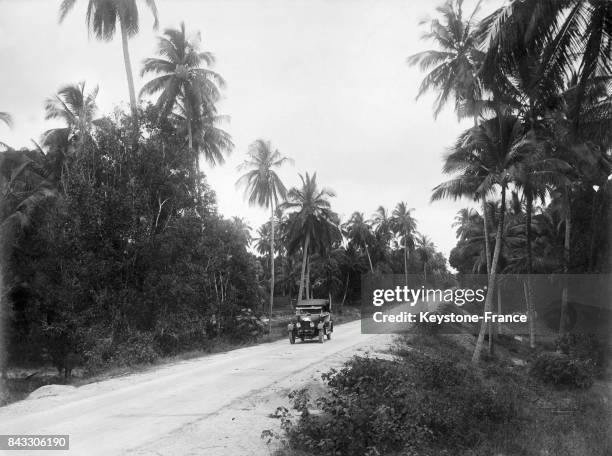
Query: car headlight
(311, 324)
(298, 325)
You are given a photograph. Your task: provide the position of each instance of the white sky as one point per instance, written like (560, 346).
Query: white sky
(325, 80)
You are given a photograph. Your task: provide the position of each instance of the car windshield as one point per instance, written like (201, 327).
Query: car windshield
(307, 310)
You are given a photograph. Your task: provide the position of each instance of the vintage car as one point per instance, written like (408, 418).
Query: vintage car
(312, 320)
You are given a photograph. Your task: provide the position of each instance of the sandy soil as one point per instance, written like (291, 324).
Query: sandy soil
(215, 405)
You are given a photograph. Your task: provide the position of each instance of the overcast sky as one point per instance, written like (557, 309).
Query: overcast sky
(325, 80)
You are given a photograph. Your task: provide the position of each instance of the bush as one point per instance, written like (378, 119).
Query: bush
(585, 347)
(138, 349)
(378, 406)
(563, 370)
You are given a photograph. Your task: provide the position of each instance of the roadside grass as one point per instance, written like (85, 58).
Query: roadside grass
(22, 382)
(504, 409)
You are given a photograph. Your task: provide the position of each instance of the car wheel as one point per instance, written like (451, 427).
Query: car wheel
(291, 338)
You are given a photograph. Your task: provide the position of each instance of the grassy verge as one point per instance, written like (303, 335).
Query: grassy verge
(429, 400)
(21, 382)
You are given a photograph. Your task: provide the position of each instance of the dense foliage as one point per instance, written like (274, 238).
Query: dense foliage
(417, 404)
(128, 258)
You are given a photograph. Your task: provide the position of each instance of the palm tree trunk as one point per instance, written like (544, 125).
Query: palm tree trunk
(487, 254)
(424, 272)
(369, 259)
(487, 241)
(530, 304)
(128, 69)
(405, 259)
(271, 262)
(308, 290)
(566, 258)
(491, 285)
(303, 274)
(345, 292)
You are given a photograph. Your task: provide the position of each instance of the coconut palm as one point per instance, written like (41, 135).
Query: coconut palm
(404, 226)
(480, 161)
(465, 221)
(567, 34)
(381, 221)
(6, 119)
(102, 18)
(582, 132)
(24, 187)
(208, 138)
(313, 225)
(360, 234)
(264, 188)
(76, 108)
(454, 69)
(184, 78)
(454, 65)
(426, 249)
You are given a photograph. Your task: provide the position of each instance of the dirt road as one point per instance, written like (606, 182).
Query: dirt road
(215, 405)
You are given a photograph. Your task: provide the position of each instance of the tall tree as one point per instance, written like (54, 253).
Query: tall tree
(102, 17)
(480, 161)
(426, 250)
(76, 108)
(566, 34)
(454, 70)
(360, 234)
(186, 84)
(313, 224)
(454, 65)
(404, 226)
(264, 188)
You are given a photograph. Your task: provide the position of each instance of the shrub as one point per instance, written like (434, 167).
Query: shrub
(138, 349)
(584, 347)
(379, 406)
(563, 370)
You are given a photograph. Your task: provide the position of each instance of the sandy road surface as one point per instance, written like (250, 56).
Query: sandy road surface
(216, 405)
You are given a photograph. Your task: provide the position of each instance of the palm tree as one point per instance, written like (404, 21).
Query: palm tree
(454, 65)
(24, 187)
(313, 225)
(454, 69)
(6, 119)
(184, 81)
(582, 132)
(208, 138)
(76, 108)
(360, 234)
(102, 17)
(566, 34)
(480, 161)
(264, 188)
(404, 225)
(381, 222)
(465, 220)
(426, 250)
